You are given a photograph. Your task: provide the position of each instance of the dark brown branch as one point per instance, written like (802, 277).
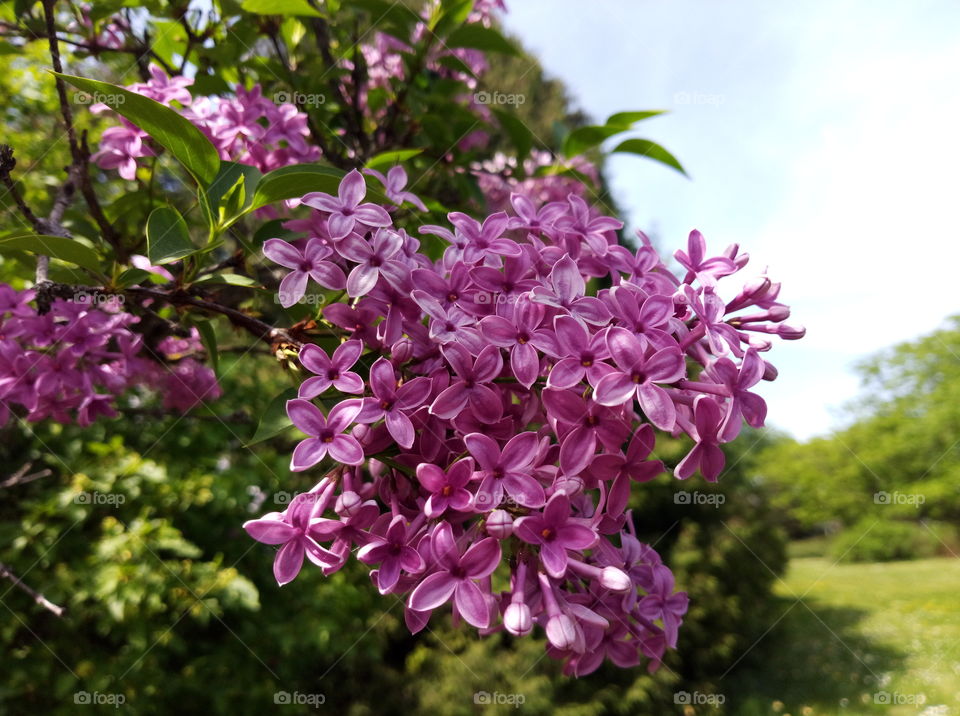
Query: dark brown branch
(7, 573)
(7, 164)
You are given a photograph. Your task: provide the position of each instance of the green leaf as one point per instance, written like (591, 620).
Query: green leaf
(209, 337)
(478, 37)
(628, 119)
(167, 236)
(230, 194)
(650, 150)
(387, 159)
(58, 247)
(274, 420)
(583, 139)
(174, 133)
(517, 130)
(228, 279)
(280, 7)
(299, 179)
(131, 277)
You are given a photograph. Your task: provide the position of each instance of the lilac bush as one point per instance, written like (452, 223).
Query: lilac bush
(502, 402)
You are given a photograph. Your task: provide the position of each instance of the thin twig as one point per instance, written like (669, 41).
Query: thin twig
(20, 477)
(7, 573)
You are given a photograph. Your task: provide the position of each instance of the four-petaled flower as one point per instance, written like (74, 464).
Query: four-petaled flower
(306, 264)
(391, 403)
(345, 209)
(455, 577)
(327, 435)
(330, 371)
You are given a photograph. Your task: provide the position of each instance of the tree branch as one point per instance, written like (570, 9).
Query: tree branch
(7, 573)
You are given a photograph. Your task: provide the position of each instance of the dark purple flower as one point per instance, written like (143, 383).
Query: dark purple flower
(581, 423)
(522, 335)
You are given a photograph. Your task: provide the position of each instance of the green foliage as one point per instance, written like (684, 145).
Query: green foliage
(901, 454)
(885, 540)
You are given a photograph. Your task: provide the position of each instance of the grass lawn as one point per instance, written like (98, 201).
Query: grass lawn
(861, 633)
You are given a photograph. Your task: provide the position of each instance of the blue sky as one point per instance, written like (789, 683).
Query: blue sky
(824, 137)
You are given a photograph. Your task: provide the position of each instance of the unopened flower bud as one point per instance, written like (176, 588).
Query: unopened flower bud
(499, 524)
(616, 580)
(517, 619)
(561, 631)
(401, 351)
(348, 504)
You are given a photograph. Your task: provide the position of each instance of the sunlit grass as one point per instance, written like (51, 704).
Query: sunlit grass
(859, 630)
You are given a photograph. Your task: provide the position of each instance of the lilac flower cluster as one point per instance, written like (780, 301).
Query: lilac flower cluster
(247, 128)
(499, 178)
(72, 362)
(482, 421)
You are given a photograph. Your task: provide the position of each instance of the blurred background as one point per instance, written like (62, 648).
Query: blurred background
(822, 569)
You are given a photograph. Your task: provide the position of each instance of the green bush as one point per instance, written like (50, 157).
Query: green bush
(885, 540)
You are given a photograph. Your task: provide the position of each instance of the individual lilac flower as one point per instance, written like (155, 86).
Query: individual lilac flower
(581, 424)
(622, 469)
(505, 471)
(555, 531)
(455, 577)
(306, 264)
(345, 210)
(447, 489)
(359, 322)
(565, 288)
(482, 240)
(293, 529)
(592, 229)
(449, 325)
(326, 433)
(580, 354)
(394, 183)
(497, 286)
(470, 389)
(706, 270)
(529, 218)
(374, 258)
(391, 402)
(393, 552)
(662, 603)
(647, 316)
(522, 335)
(637, 374)
(330, 371)
(706, 454)
(709, 308)
(352, 527)
(735, 381)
